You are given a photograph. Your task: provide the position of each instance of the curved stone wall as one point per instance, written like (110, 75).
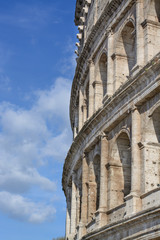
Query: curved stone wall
(111, 174)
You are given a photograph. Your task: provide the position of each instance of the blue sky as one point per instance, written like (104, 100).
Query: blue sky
(37, 64)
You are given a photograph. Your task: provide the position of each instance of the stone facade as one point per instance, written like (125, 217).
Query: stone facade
(111, 175)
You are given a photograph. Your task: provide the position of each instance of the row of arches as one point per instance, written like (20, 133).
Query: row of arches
(119, 169)
(113, 68)
(119, 174)
(99, 85)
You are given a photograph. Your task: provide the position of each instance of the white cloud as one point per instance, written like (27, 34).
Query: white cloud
(29, 140)
(54, 103)
(16, 206)
(20, 180)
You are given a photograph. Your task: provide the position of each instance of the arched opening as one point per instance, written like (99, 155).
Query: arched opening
(103, 72)
(93, 186)
(119, 171)
(151, 151)
(152, 127)
(128, 48)
(97, 179)
(125, 56)
(156, 124)
(154, 10)
(124, 154)
(100, 85)
(157, 7)
(79, 199)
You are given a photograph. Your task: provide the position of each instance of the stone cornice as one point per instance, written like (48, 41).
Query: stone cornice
(125, 223)
(107, 17)
(149, 22)
(109, 116)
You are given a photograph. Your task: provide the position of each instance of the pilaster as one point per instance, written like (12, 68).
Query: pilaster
(97, 94)
(133, 201)
(84, 207)
(101, 213)
(151, 38)
(80, 124)
(139, 33)
(73, 208)
(91, 89)
(110, 63)
(68, 214)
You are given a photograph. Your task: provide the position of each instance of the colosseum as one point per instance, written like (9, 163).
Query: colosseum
(111, 175)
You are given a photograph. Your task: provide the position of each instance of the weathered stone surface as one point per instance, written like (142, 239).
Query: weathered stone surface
(111, 175)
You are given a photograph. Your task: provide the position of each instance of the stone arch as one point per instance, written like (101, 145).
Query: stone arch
(100, 85)
(120, 170)
(151, 149)
(125, 55)
(153, 109)
(124, 130)
(124, 151)
(156, 123)
(153, 10)
(102, 64)
(153, 125)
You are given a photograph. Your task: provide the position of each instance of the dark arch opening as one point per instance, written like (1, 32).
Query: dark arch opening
(125, 53)
(157, 8)
(156, 123)
(97, 178)
(103, 72)
(124, 150)
(128, 37)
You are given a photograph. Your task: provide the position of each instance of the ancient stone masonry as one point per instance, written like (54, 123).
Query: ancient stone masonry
(111, 175)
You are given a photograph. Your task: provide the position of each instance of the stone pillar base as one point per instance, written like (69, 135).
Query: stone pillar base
(81, 230)
(133, 204)
(101, 217)
(70, 237)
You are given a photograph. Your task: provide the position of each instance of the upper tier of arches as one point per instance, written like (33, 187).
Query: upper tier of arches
(113, 60)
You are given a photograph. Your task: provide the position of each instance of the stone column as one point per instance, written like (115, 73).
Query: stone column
(91, 199)
(76, 122)
(80, 124)
(91, 89)
(139, 33)
(73, 207)
(121, 71)
(92, 190)
(77, 206)
(103, 172)
(68, 218)
(133, 201)
(102, 215)
(151, 38)
(115, 184)
(84, 209)
(98, 94)
(110, 63)
(84, 111)
(95, 15)
(136, 159)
